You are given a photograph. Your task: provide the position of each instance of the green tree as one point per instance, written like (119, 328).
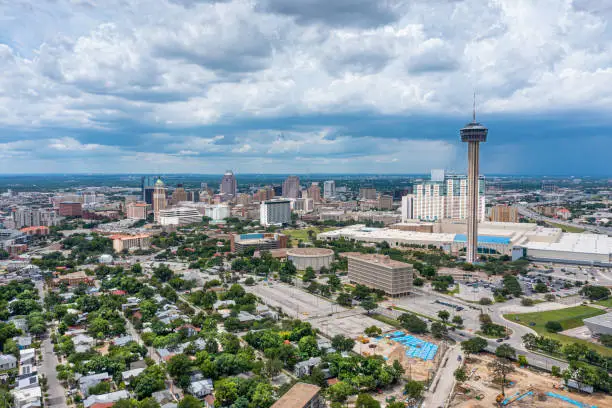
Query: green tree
(178, 365)
(340, 391)
(553, 326)
(373, 331)
(540, 287)
(163, 273)
(189, 401)
(460, 375)
(344, 299)
(458, 320)
(414, 389)
(368, 304)
(308, 346)
(505, 351)
(444, 315)
(485, 301)
(501, 367)
(309, 274)
(149, 381)
(366, 401)
(438, 330)
(342, 343)
(473, 345)
(412, 323)
(263, 395)
(226, 391)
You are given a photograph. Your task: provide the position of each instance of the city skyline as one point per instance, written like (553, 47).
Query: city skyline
(378, 88)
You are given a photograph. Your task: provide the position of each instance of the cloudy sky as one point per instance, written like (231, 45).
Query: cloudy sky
(304, 86)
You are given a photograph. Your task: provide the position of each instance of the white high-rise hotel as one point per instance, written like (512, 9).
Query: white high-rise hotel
(447, 198)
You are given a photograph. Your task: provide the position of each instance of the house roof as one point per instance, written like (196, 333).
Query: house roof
(298, 396)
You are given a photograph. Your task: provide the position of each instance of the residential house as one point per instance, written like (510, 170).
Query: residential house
(106, 398)
(122, 341)
(27, 370)
(301, 395)
(27, 398)
(223, 304)
(28, 382)
(83, 343)
(27, 356)
(20, 323)
(246, 317)
(163, 397)
(129, 374)
(201, 388)
(304, 368)
(89, 381)
(23, 342)
(7, 362)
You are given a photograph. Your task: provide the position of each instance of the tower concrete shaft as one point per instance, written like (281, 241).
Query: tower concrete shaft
(473, 186)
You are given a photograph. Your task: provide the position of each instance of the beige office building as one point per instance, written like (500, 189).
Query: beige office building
(380, 272)
(137, 211)
(122, 242)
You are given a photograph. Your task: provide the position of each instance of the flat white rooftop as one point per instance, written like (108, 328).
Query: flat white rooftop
(579, 243)
(361, 232)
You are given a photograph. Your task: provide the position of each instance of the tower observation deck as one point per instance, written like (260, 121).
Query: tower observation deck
(473, 133)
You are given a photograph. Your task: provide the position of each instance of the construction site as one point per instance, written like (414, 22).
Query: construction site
(524, 388)
(420, 357)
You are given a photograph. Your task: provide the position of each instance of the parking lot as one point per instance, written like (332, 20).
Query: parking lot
(426, 305)
(330, 318)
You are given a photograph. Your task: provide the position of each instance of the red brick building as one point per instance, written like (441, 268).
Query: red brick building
(70, 209)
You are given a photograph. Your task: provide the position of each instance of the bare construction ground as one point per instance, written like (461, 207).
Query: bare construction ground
(330, 318)
(528, 388)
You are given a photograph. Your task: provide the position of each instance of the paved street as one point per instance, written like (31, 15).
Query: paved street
(56, 391)
(443, 382)
(538, 217)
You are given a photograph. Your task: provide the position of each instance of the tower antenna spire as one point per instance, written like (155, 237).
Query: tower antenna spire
(474, 109)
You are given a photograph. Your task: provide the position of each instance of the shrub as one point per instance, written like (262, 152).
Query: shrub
(553, 326)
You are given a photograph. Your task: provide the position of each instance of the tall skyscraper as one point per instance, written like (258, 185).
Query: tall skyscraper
(314, 192)
(407, 207)
(228, 184)
(329, 189)
(159, 198)
(473, 134)
(179, 194)
(275, 212)
(448, 198)
(291, 187)
(147, 183)
(367, 193)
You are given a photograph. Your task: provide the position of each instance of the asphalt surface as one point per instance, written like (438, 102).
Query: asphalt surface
(56, 391)
(538, 217)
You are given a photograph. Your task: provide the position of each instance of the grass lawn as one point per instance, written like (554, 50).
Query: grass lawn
(302, 234)
(606, 303)
(569, 318)
(385, 319)
(566, 228)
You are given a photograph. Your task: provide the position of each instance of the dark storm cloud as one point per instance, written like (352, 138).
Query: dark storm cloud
(352, 13)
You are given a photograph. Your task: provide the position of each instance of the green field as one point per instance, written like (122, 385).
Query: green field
(302, 234)
(566, 228)
(569, 318)
(606, 303)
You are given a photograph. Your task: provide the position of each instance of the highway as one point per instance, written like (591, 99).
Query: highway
(527, 212)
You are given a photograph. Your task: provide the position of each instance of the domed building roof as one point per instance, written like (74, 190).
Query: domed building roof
(159, 183)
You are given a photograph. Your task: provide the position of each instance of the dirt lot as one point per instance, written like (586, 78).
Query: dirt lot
(523, 380)
(416, 368)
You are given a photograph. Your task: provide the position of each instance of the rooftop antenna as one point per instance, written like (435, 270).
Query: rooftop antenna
(474, 109)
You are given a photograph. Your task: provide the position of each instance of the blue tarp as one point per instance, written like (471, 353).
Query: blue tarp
(569, 400)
